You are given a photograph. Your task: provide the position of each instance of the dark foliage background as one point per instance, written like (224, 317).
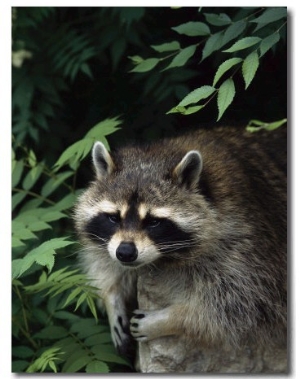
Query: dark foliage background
(71, 84)
(65, 103)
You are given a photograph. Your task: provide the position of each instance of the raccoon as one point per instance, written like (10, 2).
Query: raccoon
(206, 211)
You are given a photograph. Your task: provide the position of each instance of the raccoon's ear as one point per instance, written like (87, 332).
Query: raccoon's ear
(188, 170)
(102, 160)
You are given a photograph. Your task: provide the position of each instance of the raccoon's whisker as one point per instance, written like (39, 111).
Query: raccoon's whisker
(74, 253)
(184, 242)
(95, 236)
(173, 246)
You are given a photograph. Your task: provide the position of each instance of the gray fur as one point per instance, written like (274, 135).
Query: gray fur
(227, 283)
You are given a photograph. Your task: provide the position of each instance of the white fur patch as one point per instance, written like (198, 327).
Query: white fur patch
(107, 207)
(143, 210)
(103, 206)
(162, 212)
(123, 210)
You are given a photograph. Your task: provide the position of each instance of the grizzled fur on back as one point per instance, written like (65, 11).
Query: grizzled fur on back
(207, 211)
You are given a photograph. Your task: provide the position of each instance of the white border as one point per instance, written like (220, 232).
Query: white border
(5, 143)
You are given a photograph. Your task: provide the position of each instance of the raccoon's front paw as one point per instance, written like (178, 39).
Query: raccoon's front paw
(121, 336)
(148, 325)
(137, 326)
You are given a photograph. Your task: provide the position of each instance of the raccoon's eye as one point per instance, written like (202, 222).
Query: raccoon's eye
(152, 222)
(114, 218)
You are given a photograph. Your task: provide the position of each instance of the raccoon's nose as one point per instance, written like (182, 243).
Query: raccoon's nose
(127, 252)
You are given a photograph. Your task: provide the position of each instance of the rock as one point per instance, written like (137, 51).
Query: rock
(176, 354)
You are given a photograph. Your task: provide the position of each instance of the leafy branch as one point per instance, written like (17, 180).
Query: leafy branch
(231, 30)
(42, 290)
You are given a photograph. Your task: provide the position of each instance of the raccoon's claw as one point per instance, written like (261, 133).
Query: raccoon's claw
(149, 325)
(136, 326)
(121, 336)
(119, 331)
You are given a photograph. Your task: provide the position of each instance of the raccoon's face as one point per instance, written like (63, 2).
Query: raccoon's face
(137, 214)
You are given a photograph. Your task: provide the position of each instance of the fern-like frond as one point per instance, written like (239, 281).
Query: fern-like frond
(70, 52)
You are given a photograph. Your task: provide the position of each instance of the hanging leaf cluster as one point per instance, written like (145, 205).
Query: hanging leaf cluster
(246, 40)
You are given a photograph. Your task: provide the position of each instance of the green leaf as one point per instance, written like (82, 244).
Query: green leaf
(217, 19)
(34, 220)
(32, 159)
(17, 173)
(186, 111)
(80, 149)
(17, 199)
(77, 361)
(49, 216)
(182, 57)
(98, 339)
(72, 296)
(271, 15)
(146, 65)
(224, 67)
(61, 274)
(97, 367)
(92, 307)
(170, 46)
(43, 255)
(103, 128)
(32, 204)
(249, 68)
(75, 278)
(80, 300)
(57, 289)
(197, 95)
(87, 327)
(193, 29)
(51, 333)
(38, 226)
(136, 59)
(19, 366)
(242, 44)
(66, 202)
(16, 242)
(46, 357)
(268, 42)
(32, 177)
(274, 125)
(22, 352)
(176, 110)
(225, 96)
(52, 366)
(85, 68)
(117, 49)
(53, 183)
(191, 110)
(213, 43)
(47, 260)
(233, 31)
(256, 125)
(75, 152)
(22, 233)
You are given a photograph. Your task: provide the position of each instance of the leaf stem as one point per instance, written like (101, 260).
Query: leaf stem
(33, 194)
(25, 331)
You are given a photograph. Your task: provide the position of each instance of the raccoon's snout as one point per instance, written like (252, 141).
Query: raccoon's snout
(127, 252)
